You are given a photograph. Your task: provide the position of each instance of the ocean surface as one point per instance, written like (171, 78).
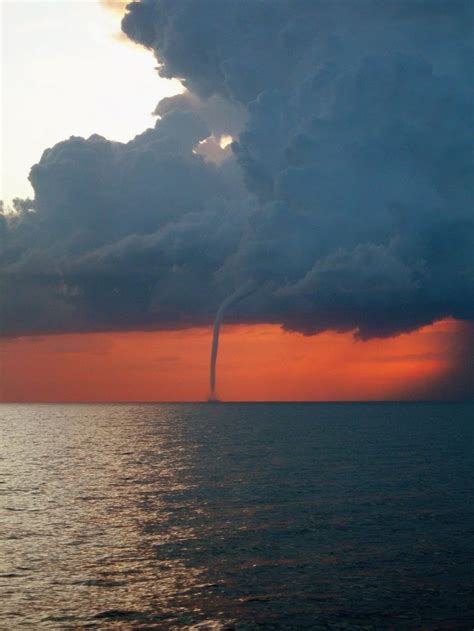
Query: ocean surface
(237, 516)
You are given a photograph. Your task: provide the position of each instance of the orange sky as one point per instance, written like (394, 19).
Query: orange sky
(259, 362)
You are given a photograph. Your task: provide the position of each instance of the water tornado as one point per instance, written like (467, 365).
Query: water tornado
(238, 294)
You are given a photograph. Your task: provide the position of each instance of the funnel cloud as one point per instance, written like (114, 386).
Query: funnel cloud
(238, 295)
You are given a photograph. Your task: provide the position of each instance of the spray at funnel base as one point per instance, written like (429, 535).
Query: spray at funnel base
(239, 294)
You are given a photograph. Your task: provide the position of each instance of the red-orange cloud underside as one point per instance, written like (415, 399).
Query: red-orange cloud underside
(259, 362)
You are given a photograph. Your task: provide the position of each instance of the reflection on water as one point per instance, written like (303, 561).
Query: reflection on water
(237, 516)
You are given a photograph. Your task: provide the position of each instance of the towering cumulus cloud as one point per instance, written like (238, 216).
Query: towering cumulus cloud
(346, 195)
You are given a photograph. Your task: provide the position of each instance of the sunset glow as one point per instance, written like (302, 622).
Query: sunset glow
(260, 362)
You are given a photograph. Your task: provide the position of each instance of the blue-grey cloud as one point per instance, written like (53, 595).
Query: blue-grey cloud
(122, 235)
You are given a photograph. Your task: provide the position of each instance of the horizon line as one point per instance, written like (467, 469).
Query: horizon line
(235, 402)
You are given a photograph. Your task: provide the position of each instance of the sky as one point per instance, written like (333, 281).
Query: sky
(67, 71)
(161, 168)
(173, 366)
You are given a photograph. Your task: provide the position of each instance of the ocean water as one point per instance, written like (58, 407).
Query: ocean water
(237, 516)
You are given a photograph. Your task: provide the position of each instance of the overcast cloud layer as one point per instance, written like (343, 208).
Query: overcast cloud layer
(347, 195)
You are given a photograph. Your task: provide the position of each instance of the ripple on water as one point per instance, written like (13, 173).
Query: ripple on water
(237, 516)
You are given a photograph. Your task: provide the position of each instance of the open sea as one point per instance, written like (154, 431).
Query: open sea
(237, 516)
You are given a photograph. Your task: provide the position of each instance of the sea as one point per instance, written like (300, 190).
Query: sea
(237, 516)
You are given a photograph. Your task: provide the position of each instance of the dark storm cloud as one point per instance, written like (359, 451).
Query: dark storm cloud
(121, 235)
(358, 145)
(347, 200)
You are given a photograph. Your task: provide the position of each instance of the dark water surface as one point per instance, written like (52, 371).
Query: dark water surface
(241, 516)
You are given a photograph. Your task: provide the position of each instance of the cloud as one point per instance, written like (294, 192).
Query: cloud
(346, 194)
(115, 5)
(121, 235)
